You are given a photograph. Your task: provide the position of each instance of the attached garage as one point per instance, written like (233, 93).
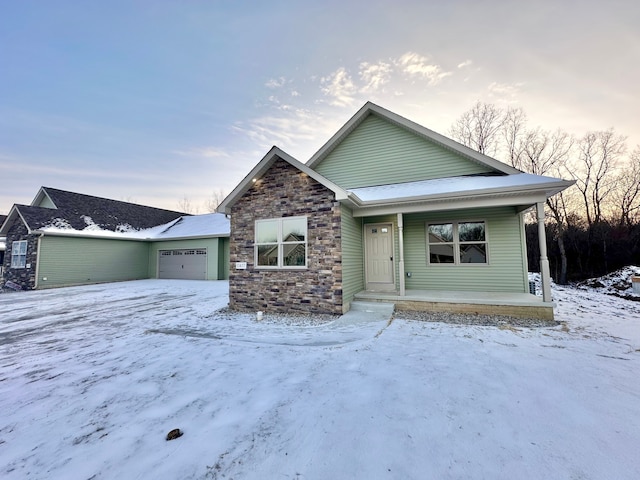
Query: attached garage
(184, 264)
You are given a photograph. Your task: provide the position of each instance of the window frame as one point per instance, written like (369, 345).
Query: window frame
(456, 243)
(16, 254)
(280, 244)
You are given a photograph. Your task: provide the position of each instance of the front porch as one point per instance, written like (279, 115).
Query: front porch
(521, 305)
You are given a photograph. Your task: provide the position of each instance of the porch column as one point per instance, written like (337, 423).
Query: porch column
(544, 261)
(401, 253)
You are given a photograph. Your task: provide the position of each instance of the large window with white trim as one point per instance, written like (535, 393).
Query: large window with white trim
(281, 243)
(457, 243)
(19, 254)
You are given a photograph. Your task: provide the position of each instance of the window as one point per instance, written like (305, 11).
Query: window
(281, 243)
(457, 243)
(19, 254)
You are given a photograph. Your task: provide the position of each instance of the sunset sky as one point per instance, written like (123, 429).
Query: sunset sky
(154, 101)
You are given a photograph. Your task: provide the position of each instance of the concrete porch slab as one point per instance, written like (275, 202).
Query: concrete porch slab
(522, 305)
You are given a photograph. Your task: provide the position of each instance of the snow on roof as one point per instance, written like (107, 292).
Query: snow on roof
(450, 185)
(212, 224)
(209, 225)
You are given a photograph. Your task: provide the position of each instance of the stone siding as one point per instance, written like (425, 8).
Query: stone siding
(25, 277)
(284, 191)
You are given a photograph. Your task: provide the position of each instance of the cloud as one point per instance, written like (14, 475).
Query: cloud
(464, 64)
(504, 90)
(339, 87)
(206, 152)
(275, 82)
(416, 65)
(374, 75)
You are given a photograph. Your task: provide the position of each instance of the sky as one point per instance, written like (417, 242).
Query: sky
(158, 102)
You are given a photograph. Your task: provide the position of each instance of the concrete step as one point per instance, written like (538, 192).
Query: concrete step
(382, 308)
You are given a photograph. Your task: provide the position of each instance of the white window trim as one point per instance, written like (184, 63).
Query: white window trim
(456, 244)
(15, 257)
(280, 245)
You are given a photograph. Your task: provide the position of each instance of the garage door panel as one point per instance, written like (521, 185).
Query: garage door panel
(185, 264)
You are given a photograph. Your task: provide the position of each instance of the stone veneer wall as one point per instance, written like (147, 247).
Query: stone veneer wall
(25, 277)
(284, 191)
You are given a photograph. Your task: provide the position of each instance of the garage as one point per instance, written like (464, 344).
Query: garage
(185, 264)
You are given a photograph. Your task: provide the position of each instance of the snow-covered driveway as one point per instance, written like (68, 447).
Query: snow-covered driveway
(92, 378)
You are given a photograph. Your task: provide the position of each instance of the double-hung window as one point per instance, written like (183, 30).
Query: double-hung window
(457, 243)
(281, 243)
(19, 254)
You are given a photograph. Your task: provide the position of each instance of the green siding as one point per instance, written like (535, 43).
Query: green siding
(505, 272)
(223, 259)
(46, 203)
(352, 255)
(73, 261)
(378, 152)
(213, 252)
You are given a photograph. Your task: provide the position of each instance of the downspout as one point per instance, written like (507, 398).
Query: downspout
(544, 261)
(35, 283)
(401, 253)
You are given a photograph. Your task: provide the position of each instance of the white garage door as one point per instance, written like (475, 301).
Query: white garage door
(186, 264)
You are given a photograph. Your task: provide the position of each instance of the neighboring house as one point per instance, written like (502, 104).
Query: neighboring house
(66, 238)
(386, 210)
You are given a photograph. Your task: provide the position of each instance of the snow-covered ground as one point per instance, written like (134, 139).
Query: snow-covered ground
(92, 379)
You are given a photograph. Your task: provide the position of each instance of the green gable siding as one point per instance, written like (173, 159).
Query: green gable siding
(352, 255)
(378, 152)
(213, 245)
(45, 203)
(506, 269)
(74, 261)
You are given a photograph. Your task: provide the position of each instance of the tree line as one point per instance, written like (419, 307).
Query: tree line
(592, 227)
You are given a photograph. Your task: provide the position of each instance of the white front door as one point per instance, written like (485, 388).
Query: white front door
(378, 239)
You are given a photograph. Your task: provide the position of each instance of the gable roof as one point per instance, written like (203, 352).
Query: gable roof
(77, 211)
(263, 166)
(438, 139)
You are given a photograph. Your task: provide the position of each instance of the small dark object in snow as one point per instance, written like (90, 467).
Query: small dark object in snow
(173, 434)
(12, 285)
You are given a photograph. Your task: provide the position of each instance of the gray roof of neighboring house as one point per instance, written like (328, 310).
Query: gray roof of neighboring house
(78, 210)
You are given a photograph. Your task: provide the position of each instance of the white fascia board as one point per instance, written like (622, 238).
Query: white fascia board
(460, 203)
(198, 237)
(263, 166)
(75, 234)
(445, 142)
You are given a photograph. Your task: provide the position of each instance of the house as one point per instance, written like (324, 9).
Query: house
(387, 211)
(65, 238)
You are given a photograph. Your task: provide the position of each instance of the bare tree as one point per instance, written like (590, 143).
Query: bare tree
(598, 155)
(216, 198)
(627, 192)
(545, 153)
(185, 205)
(480, 128)
(513, 129)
